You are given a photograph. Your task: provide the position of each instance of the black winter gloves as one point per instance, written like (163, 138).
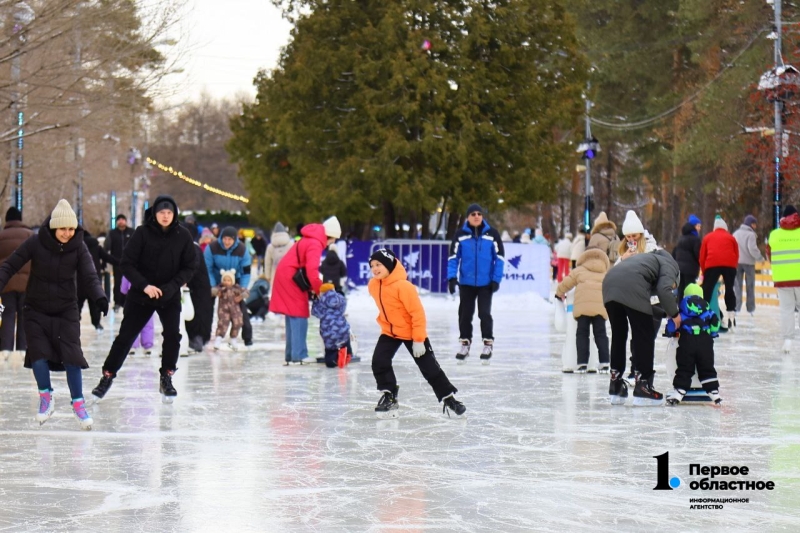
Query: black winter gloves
(495, 286)
(102, 306)
(451, 285)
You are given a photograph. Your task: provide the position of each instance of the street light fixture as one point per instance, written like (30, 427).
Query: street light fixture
(22, 16)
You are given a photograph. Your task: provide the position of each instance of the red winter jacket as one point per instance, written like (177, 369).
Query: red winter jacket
(287, 298)
(719, 249)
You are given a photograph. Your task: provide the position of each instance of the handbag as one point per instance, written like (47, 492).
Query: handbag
(300, 277)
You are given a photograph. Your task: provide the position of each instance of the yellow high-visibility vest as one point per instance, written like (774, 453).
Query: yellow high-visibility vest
(784, 245)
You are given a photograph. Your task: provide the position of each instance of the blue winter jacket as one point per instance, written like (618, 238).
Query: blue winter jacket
(333, 326)
(237, 257)
(477, 256)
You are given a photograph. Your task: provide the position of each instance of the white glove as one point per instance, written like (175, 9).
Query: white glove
(418, 349)
(2, 308)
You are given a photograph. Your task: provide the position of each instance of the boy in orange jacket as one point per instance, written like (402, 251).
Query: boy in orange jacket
(402, 321)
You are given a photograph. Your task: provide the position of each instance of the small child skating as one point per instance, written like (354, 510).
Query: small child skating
(146, 338)
(699, 326)
(402, 321)
(588, 309)
(333, 327)
(229, 312)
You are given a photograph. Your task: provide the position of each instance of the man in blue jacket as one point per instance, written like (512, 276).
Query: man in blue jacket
(228, 253)
(476, 264)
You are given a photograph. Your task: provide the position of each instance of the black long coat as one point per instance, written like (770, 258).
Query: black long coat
(52, 320)
(687, 253)
(163, 258)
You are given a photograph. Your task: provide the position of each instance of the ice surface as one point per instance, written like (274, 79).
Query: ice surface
(250, 445)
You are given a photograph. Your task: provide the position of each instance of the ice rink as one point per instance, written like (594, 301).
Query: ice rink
(251, 445)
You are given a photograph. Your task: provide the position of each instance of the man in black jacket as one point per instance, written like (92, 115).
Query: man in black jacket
(115, 243)
(159, 259)
(99, 258)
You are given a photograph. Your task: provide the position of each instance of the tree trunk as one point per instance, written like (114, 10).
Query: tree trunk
(389, 220)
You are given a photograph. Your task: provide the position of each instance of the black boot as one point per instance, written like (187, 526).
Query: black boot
(644, 395)
(617, 389)
(168, 392)
(451, 404)
(105, 383)
(387, 406)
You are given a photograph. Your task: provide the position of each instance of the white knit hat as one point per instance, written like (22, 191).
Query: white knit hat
(63, 216)
(332, 228)
(228, 274)
(719, 223)
(632, 224)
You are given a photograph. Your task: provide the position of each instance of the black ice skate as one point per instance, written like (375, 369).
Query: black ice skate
(581, 369)
(168, 392)
(387, 406)
(451, 404)
(674, 397)
(644, 395)
(486, 354)
(617, 389)
(102, 388)
(463, 351)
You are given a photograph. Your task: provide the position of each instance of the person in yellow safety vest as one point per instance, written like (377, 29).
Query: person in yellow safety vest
(783, 251)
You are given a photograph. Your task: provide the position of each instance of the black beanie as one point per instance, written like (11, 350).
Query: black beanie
(473, 208)
(385, 257)
(164, 204)
(13, 214)
(229, 231)
(789, 210)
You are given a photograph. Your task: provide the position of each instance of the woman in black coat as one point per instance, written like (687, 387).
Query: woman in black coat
(687, 255)
(158, 260)
(52, 320)
(333, 269)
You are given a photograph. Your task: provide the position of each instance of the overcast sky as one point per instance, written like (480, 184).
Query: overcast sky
(227, 41)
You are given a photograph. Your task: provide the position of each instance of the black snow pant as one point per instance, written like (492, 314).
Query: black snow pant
(259, 307)
(466, 310)
(13, 317)
(710, 278)
(384, 373)
(598, 324)
(644, 342)
(135, 317)
(695, 351)
(687, 277)
(247, 327)
(200, 326)
(119, 298)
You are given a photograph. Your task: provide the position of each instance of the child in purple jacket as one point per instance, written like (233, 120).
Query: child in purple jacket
(147, 336)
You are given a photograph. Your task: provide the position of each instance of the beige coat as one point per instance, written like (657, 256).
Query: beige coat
(588, 278)
(604, 236)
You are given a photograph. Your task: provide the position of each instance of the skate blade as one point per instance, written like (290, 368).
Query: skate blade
(647, 402)
(673, 402)
(617, 400)
(485, 362)
(592, 371)
(167, 399)
(387, 415)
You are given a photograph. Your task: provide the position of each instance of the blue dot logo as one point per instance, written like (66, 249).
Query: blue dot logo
(675, 482)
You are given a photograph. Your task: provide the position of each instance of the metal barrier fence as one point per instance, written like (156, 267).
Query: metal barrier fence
(425, 261)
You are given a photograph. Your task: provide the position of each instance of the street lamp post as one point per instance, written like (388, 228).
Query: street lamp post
(22, 16)
(778, 60)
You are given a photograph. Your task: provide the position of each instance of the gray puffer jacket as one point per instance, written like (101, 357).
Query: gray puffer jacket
(632, 282)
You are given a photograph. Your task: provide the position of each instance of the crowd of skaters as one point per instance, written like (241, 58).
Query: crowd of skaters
(629, 281)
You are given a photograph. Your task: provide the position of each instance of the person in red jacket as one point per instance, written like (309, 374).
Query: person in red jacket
(719, 256)
(288, 298)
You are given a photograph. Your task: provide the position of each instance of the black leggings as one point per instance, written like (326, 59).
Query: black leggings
(642, 329)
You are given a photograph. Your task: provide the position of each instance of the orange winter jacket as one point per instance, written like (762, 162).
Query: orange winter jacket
(401, 314)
